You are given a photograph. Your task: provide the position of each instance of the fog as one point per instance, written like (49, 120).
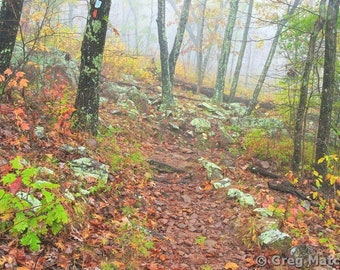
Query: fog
(135, 22)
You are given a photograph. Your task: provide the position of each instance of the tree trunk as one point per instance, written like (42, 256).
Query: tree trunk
(302, 107)
(200, 49)
(327, 94)
(168, 62)
(224, 57)
(167, 94)
(241, 53)
(87, 100)
(10, 14)
(178, 39)
(135, 28)
(271, 54)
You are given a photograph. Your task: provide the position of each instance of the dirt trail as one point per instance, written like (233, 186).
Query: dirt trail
(193, 227)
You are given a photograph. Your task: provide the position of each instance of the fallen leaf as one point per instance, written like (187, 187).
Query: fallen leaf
(231, 266)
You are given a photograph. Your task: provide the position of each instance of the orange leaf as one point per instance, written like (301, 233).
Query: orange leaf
(208, 186)
(23, 83)
(12, 83)
(8, 72)
(231, 266)
(2, 78)
(18, 111)
(20, 74)
(162, 257)
(24, 126)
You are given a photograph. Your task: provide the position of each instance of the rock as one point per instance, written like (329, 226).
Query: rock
(301, 251)
(226, 136)
(237, 109)
(197, 259)
(53, 63)
(225, 182)
(67, 148)
(70, 149)
(186, 198)
(127, 97)
(113, 91)
(201, 125)
(243, 198)
(275, 239)
(103, 100)
(33, 201)
(91, 143)
(90, 168)
(39, 132)
(128, 105)
(174, 126)
(45, 171)
(139, 99)
(213, 170)
(187, 151)
(210, 243)
(181, 225)
(215, 110)
(266, 223)
(264, 212)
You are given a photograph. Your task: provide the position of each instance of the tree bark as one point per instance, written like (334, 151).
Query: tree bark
(168, 62)
(10, 15)
(328, 87)
(199, 67)
(167, 94)
(178, 39)
(87, 100)
(271, 54)
(302, 107)
(241, 53)
(225, 52)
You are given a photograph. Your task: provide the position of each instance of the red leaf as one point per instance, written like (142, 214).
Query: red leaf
(24, 126)
(16, 185)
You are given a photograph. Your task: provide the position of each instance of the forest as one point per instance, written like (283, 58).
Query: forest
(169, 134)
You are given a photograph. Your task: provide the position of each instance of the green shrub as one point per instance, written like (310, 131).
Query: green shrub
(269, 147)
(31, 209)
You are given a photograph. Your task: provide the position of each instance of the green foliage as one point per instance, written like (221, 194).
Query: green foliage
(200, 240)
(33, 214)
(118, 158)
(134, 238)
(276, 147)
(206, 267)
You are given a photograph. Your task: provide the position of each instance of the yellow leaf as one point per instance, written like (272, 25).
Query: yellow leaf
(321, 160)
(231, 266)
(332, 179)
(259, 44)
